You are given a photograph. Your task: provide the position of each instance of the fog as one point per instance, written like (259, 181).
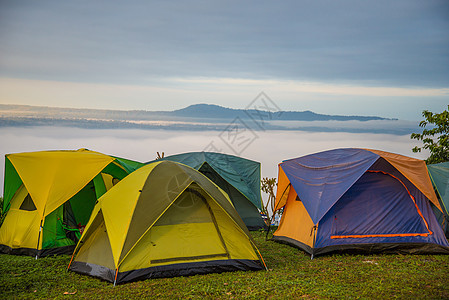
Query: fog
(267, 147)
(379, 126)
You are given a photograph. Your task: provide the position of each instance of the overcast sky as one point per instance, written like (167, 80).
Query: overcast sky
(386, 58)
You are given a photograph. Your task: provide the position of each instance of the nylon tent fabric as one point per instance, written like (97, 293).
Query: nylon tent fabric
(165, 219)
(412, 169)
(357, 199)
(238, 176)
(12, 182)
(243, 174)
(439, 173)
(44, 187)
(321, 179)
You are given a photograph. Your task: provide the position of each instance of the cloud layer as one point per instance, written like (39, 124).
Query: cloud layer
(269, 148)
(385, 43)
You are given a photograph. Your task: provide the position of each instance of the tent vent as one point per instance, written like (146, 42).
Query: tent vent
(28, 204)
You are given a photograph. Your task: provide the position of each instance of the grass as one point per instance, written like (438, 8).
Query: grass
(291, 275)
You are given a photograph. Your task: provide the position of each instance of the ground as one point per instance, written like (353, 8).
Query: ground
(291, 274)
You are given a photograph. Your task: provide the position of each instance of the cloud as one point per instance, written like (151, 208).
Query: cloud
(315, 87)
(142, 145)
(381, 43)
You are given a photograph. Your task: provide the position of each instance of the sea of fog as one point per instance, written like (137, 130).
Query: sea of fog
(267, 147)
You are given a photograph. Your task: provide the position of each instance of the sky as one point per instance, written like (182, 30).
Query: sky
(385, 58)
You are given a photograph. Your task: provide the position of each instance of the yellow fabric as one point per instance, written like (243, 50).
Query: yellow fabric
(174, 241)
(414, 170)
(108, 181)
(237, 242)
(97, 247)
(118, 212)
(20, 228)
(164, 184)
(188, 234)
(53, 177)
(185, 231)
(296, 222)
(283, 189)
(18, 197)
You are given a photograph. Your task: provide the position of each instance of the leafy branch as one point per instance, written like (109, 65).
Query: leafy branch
(435, 139)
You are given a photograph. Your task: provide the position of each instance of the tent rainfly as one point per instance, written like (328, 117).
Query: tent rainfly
(237, 176)
(163, 220)
(358, 200)
(49, 196)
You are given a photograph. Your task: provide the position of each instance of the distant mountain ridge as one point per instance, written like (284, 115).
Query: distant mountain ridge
(216, 111)
(198, 117)
(196, 111)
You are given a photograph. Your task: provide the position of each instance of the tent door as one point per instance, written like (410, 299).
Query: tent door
(187, 231)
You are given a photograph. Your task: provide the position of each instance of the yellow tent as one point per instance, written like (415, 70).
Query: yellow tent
(49, 195)
(165, 219)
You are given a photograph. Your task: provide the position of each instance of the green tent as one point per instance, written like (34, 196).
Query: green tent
(439, 173)
(237, 176)
(49, 196)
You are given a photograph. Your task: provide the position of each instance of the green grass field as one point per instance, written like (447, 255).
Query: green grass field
(291, 275)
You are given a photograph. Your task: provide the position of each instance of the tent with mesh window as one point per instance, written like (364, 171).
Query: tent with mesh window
(358, 200)
(49, 196)
(237, 176)
(439, 174)
(163, 220)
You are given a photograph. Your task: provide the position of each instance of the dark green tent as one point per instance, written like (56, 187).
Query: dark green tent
(237, 176)
(439, 173)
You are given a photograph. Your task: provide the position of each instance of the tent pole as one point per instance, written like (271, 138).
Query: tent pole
(70, 263)
(216, 226)
(38, 239)
(268, 231)
(115, 279)
(314, 237)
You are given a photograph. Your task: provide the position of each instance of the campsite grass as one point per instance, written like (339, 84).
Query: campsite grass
(291, 275)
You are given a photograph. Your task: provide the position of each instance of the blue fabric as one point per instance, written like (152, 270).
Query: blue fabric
(378, 204)
(321, 179)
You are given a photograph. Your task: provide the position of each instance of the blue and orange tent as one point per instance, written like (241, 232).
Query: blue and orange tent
(358, 199)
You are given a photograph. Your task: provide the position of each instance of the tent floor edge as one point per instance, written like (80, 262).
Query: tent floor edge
(39, 253)
(93, 270)
(294, 243)
(18, 251)
(257, 227)
(385, 248)
(174, 270)
(57, 251)
(190, 269)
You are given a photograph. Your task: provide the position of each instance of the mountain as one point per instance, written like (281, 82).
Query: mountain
(197, 111)
(215, 111)
(198, 117)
